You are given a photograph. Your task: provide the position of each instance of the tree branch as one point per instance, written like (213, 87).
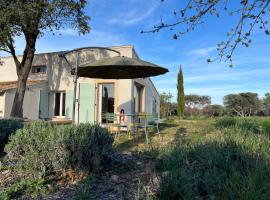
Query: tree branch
(3, 49)
(13, 53)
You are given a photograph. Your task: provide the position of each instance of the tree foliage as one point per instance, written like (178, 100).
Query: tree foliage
(31, 20)
(197, 101)
(266, 103)
(195, 104)
(242, 104)
(214, 110)
(250, 15)
(180, 93)
(165, 104)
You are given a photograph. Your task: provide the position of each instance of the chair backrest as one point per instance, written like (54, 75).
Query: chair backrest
(152, 118)
(155, 116)
(111, 117)
(142, 115)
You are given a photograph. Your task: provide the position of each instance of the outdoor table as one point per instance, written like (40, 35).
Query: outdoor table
(135, 123)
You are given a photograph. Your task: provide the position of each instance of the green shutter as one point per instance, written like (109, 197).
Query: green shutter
(44, 104)
(87, 103)
(69, 103)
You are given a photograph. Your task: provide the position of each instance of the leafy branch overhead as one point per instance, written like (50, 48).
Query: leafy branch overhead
(31, 19)
(250, 14)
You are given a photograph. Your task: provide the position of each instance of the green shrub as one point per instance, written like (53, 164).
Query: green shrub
(226, 122)
(7, 127)
(41, 148)
(254, 125)
(250, 124)
(33, 188)
(266, 126)
(237, 167)
(83, 190)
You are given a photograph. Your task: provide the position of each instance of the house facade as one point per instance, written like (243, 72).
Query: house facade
(49, 92)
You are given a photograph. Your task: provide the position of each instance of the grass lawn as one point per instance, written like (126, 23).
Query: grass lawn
(227, 158)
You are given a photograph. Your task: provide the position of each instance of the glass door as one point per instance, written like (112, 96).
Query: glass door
(106, 100)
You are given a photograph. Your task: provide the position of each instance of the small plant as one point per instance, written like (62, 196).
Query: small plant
(83, 190)
(143, 192)
(33, 188)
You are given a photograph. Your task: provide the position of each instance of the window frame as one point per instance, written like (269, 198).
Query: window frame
(34, 72)
(62, 101)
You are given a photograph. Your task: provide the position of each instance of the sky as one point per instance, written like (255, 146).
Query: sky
(119, 22)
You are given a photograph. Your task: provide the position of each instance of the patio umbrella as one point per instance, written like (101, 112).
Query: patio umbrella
(120, 67)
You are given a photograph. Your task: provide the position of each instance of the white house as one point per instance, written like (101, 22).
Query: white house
(49, 92)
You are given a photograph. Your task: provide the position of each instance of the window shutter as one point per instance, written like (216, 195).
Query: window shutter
(87, 103)
(69, 103)
(44, 104)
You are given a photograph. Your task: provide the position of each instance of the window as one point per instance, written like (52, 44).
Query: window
(138, 92)
(64, 104)
(107, 99)
(59, 103)
(39, 69)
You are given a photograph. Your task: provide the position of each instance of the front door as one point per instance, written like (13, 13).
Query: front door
(106, 100)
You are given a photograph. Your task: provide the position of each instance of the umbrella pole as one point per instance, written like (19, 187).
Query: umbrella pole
(75, 79)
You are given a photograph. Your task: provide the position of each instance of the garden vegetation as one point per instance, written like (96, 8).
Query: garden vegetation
(42, 149)
(228, 160)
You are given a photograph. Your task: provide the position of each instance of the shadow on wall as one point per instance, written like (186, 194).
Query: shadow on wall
(60, 71)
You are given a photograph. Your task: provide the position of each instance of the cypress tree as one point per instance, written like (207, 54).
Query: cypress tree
(180, 94)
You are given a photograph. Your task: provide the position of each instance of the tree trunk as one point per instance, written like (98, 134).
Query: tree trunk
(23, 71)
(17, 107)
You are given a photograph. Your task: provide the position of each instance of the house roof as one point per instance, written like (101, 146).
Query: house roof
(13, 84)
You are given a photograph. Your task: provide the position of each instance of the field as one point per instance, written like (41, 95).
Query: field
(223, 158)
(226, 158)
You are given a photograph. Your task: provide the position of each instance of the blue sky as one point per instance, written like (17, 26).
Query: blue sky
(119, 22)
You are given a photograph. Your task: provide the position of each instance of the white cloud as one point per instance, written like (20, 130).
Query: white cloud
(228, 75)
(203, 52)
(102, 38)
(133, 17)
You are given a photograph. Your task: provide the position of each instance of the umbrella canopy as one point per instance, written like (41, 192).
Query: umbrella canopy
(120, 67)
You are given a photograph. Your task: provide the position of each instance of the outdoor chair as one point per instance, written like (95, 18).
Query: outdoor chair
(112, 122)
(153, 121)
(141, 124)
(131, 127)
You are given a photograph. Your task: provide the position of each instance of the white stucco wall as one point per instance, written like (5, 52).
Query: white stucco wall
(149, 94)
(60, 79)
(125, 97)
(30, 104)
(8, 70)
